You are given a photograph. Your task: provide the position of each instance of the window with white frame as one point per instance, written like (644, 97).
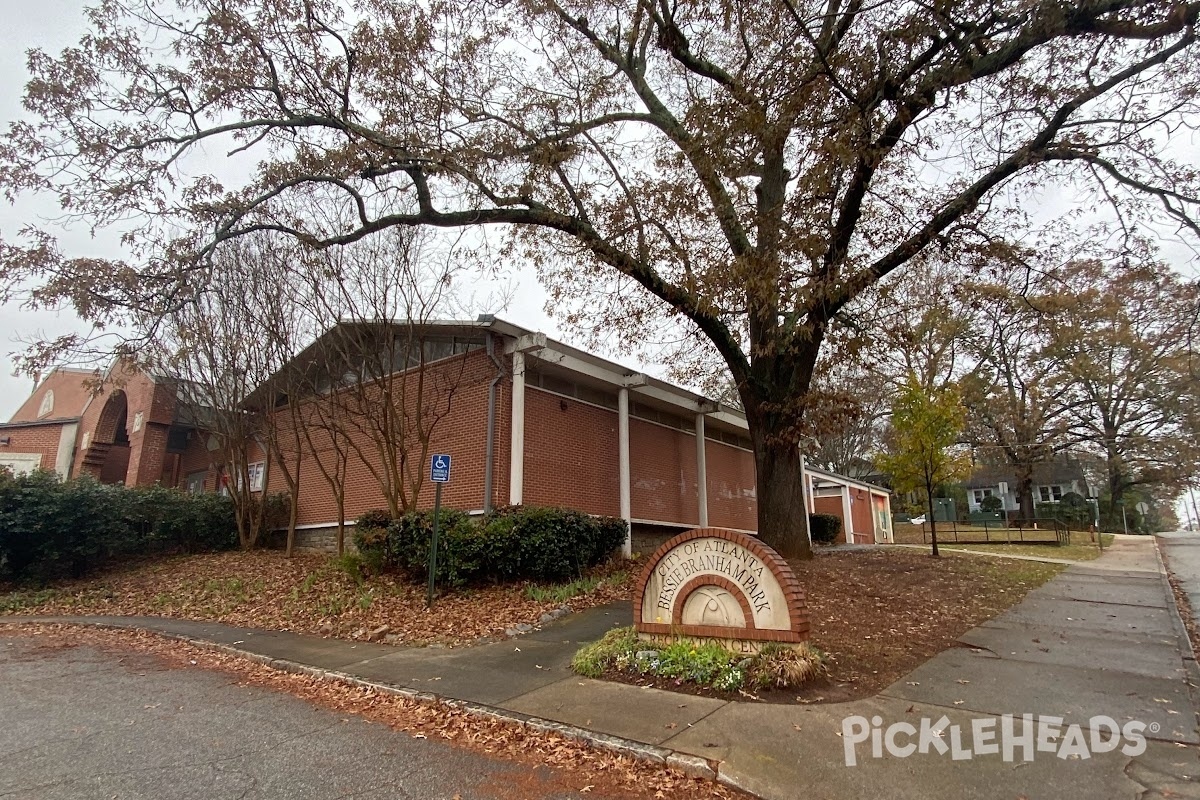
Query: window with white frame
(980, 494)
(256, 471)
(1050, 494)
(195, 482)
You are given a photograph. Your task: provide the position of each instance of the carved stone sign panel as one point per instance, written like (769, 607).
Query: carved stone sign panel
(719, 585)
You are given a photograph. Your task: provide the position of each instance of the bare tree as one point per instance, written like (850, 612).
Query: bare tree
(750, 168)
(372, 389)
(216, 348)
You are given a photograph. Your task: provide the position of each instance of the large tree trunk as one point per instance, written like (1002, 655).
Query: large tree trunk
(775, 423)
(1024, 475)
(782, 513)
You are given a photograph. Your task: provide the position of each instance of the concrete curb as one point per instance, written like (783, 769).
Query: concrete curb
(687, 763)
(1181, 633)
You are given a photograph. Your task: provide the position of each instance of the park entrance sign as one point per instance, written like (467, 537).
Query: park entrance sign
(717, 585)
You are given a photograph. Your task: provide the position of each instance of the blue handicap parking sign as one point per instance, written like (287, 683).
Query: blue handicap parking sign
(439, 468)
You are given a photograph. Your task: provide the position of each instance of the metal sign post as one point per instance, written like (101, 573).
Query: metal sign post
(439, 473)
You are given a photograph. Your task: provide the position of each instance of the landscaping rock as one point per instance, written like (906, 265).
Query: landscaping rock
(646, 659)
(326, 628)
(518, 629)
(391, 638)
(547, 617)
(378, 634)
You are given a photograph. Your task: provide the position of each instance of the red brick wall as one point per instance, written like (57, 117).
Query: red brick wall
(147, 447)
(41, 439)
(732, 493)
(461, 433)
(571, 456)
(196, 458)
(662, 465)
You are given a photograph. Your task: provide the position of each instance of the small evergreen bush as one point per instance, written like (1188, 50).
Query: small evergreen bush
(824, 528)
(508, 544)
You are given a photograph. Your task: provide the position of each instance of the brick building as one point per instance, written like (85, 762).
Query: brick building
(120, 426)
(526, 419)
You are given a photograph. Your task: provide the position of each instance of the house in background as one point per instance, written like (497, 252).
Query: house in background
(119, 426)
(1051, 481)
(527, 420)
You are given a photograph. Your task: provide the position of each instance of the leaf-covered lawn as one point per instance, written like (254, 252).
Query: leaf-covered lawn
(313, 593)
(878, 614)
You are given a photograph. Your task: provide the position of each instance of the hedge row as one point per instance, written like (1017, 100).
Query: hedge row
(51, 528)
(508, 544)
(824, 528)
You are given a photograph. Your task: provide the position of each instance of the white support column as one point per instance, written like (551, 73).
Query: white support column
(806, 487)
(701, 472)
(516, 472)
(847, 515)
(623, 469)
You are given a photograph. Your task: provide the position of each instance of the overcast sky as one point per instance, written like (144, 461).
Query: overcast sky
(52, 25)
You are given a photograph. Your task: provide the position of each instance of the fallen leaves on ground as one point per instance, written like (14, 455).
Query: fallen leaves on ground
(881, 613)
(309, 593)
(1187, 614)
(572, 765)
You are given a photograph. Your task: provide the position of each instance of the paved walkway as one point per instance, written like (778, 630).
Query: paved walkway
(1103, 638)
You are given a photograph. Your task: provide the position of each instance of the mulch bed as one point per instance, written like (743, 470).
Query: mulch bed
(310, 594)
(879, 614)
(557, 766)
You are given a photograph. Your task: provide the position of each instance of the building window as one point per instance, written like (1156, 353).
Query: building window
(256, 472)
(980, 494)
(1050, 494)
(588, 394)
(47, 403)
(195, 482)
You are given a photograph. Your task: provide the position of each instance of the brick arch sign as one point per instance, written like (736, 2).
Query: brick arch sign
(712, 584)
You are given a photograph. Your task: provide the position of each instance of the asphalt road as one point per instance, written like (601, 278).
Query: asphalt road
(80, 723)
(1182, 549)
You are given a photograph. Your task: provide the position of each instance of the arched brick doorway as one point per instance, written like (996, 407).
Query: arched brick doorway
(107, 457)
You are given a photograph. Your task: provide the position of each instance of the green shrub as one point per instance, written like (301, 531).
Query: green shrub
(550, 545)
(703, 664)
(616, 649)
(991, 503)
(277, 510)
(371, 538)
(776, 666)
(824, 528)
(51, 528)
(459, 546)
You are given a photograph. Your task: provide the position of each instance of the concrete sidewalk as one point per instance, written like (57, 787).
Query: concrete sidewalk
(1101, 639)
